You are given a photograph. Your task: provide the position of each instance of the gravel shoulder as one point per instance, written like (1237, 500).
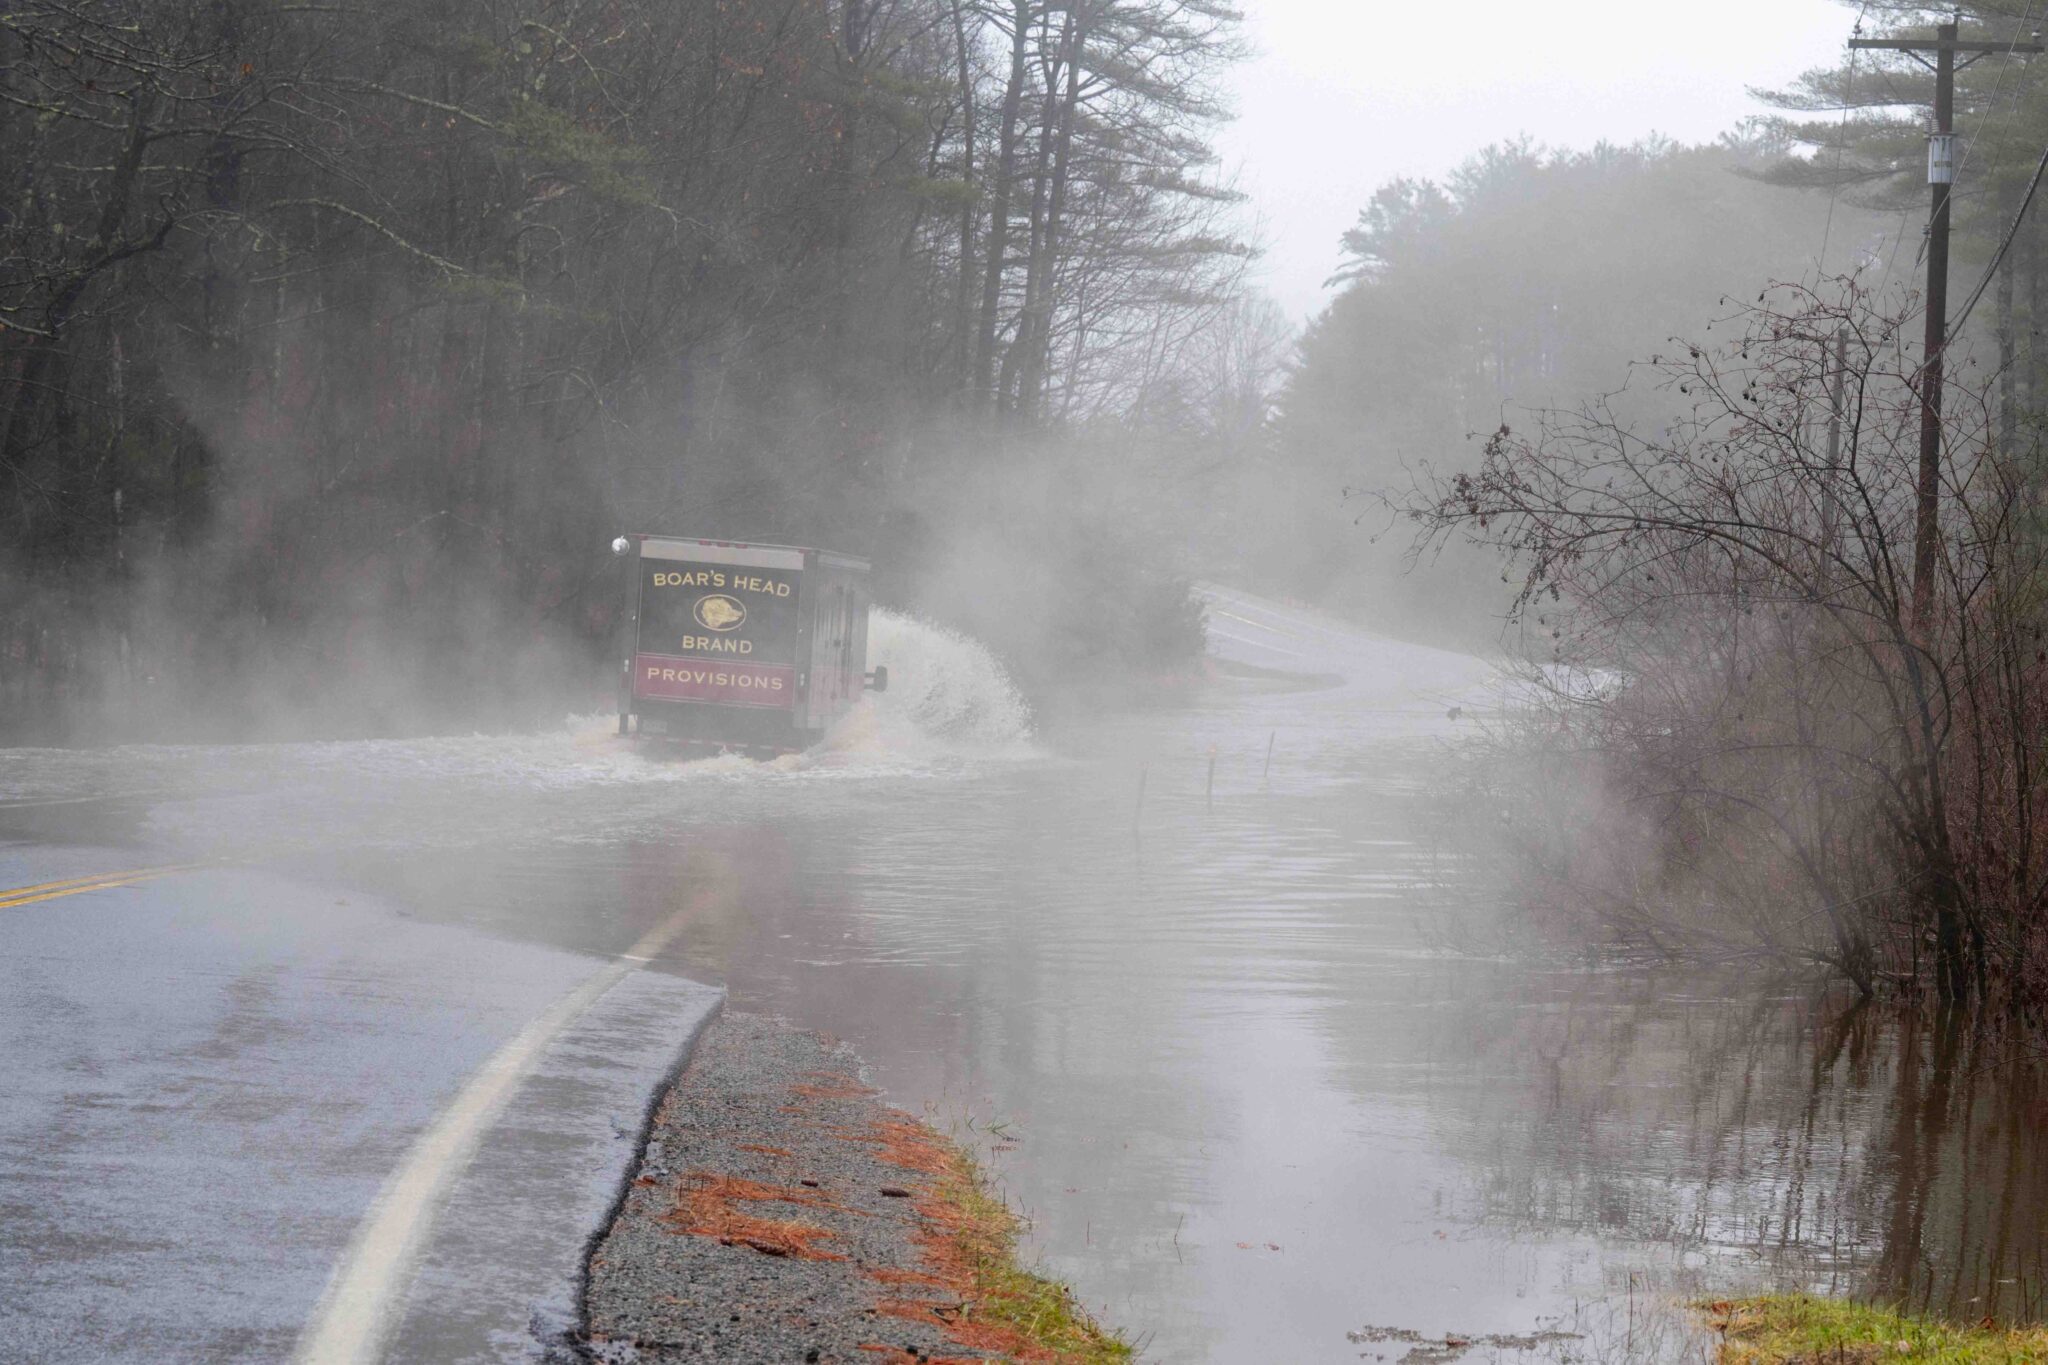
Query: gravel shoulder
(782, 1213)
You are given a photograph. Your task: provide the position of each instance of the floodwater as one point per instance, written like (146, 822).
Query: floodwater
(1200, 985)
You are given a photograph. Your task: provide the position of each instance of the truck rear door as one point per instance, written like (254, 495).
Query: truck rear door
(719, 624)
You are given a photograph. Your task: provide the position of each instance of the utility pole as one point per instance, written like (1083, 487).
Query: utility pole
(1831, 533)
(1941, 174)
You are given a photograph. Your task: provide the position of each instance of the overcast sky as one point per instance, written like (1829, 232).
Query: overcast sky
(1343, 95)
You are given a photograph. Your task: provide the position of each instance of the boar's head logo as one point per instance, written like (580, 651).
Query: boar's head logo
(719, 612)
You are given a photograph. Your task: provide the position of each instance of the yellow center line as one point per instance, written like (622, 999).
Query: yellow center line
(97, 877)
(44, 891)
(73, 891)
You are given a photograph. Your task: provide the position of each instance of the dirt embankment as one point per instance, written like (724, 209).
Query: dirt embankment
(783, 1213)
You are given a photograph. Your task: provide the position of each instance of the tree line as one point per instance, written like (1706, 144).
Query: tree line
(1793, 739)
(1527, 278)
(336, 339)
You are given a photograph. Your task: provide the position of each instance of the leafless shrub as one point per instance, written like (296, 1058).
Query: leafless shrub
(1794, 761)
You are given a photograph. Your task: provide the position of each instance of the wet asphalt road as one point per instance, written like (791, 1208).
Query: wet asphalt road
(396, 1017)
(252, 1117)
(1200, 980)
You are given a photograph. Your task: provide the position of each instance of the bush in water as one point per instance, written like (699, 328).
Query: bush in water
(1798, 740)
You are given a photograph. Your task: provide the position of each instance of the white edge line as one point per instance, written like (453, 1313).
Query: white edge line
(354, 1316)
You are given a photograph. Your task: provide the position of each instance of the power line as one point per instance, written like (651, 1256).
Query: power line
(1991, 103)
(1998, 257)
(1969, 146)
(2012, 231)
(1945, 46)
(1891, 259)
(1842, 141)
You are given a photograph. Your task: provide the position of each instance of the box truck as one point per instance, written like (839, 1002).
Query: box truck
(736, 647)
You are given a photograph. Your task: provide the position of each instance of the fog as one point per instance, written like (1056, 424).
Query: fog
(323, 428)
(1336, 100)
(1412, 707)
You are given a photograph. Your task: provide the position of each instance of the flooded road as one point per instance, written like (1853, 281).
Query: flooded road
(1193, 982)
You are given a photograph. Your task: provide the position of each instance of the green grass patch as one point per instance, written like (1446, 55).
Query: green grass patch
(1784, 1329)
(1039, 1316)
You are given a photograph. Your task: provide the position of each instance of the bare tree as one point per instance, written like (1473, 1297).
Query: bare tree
(1724, 613)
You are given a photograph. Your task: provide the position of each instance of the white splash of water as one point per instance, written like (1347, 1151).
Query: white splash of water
(950, 709)
(949, 701)
(948, 695)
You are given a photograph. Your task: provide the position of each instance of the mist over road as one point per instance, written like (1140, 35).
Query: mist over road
(334, 1048)
(281, 1019)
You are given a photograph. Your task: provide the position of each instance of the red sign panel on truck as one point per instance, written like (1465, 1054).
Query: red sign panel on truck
(752, 647)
